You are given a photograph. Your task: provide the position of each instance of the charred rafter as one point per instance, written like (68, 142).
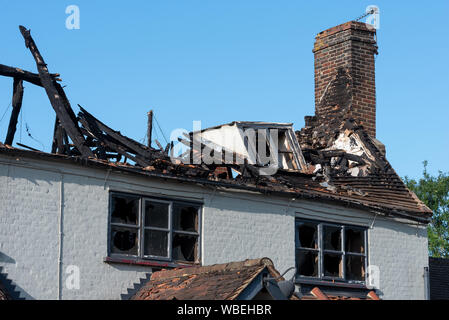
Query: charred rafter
(24, 75)
(57, 97)
(17, 97)
(109, 140)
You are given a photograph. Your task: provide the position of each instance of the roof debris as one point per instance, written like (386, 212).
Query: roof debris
(340, 162)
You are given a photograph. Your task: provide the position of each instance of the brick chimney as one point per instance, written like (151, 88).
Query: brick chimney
(344, 74)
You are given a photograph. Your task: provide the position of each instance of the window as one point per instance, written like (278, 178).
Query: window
(327, 251)
(150, 228)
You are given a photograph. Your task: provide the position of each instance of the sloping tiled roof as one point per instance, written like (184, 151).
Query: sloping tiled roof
(439, 278)
(215, 282)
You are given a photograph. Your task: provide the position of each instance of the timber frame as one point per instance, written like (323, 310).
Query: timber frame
(81, 135)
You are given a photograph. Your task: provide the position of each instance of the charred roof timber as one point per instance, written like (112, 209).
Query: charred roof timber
(333, 158)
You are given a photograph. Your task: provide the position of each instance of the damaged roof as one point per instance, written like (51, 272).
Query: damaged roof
(226, 281)
(343, 164)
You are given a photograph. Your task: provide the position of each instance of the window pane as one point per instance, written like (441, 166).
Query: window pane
(307, 263)
(332, 238)
(354, 240)
(184, 247)
(307, 235)
(185, 218)
(156, 214)
(125, 209)
(355, 268)
(156, 243)
(123, 240)
(332, 265)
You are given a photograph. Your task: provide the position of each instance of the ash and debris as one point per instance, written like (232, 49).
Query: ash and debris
(343, 162)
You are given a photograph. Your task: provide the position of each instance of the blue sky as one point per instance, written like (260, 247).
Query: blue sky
(224, 60)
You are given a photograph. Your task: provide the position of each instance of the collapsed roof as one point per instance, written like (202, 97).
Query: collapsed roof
(337, 160)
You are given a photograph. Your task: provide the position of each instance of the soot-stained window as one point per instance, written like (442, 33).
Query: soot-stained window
(328, 251)
(149, 228)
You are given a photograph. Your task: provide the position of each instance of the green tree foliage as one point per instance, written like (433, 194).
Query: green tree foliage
(434, 192)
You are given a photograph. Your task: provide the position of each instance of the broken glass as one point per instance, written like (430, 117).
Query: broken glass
(332, 265)
(123, 240)
(185, 218)
(156, 214)
(332, 238)
(184, 247)
(307, 263)
(125, 209)
(307, 236)
(354, 240)
(355, 268)
(156, 243)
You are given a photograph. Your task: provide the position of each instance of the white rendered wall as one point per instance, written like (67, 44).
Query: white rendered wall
(235, 226)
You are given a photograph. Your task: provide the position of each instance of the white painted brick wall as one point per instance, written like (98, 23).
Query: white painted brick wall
(235, 226)
(400, 251)
(239, 229)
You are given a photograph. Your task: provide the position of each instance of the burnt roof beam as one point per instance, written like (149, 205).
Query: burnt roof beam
(24, 75)
(57, 97)
(17, 98)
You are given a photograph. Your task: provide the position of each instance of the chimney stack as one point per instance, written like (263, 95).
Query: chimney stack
(344, 74)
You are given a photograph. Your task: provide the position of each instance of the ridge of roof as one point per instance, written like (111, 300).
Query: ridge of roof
(196, 270)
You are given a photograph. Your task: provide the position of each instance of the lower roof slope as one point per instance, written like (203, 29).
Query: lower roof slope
(439, 278)
(216, 282)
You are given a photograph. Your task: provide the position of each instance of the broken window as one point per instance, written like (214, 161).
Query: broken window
(355, 253)
(154, 229)
(330, 252)
(185, 232)
(307, 235)
(355, 240)
(124, 224)
(307, 263)
(332, 238)
(125, 210)
(332, 265)
(307, 249)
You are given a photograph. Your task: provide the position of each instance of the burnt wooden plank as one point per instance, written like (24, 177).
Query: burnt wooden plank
(150, 127)
(54, 146)
(159, 144)
(18, 73)
(25, 146)
(93, 129)
(17, 98)
(134, 146)
(60, 141)
(57, 98)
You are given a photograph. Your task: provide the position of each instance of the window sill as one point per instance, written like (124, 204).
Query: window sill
(335, 284)
(149, 263)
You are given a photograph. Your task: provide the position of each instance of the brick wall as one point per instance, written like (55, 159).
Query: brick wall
(345, 75)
